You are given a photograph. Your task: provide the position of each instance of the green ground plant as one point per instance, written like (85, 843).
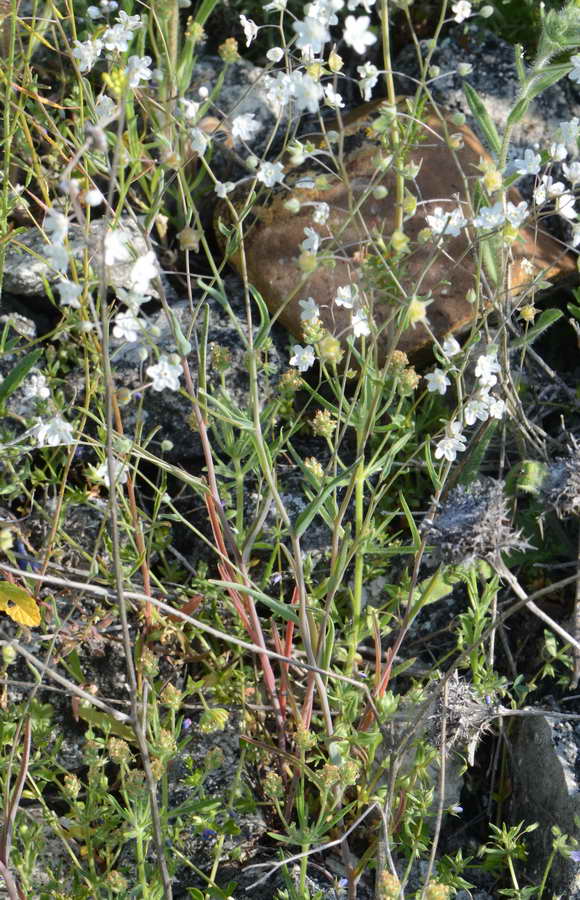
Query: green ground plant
(427, 483)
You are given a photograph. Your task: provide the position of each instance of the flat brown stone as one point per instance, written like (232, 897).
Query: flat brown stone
(445, 273)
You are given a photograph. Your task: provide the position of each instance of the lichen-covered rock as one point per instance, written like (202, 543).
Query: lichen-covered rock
(359, 224)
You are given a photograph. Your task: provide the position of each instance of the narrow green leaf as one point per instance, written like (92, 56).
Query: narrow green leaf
(482, 117)
(306, 517)
(548, 317)
(264, 328)
(575, 310)
(287, 612)
(410, 521)
(15, 378)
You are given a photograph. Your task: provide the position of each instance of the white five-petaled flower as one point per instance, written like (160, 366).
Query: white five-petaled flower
(270, 173)
(451, 346)
(357, 35)
(548, 189)
(87, 54)
(120, 473)
(452, 444)
(142, 273)
(462, 10)
(490, 216)
(137, 70)
(250, 29)
(306, 92)
(575, 73)
(165, 373)
(303, 357)
(437, 381)
(245, 127)
(333, 98)
(360, 323)
(516, 215)
(116, 247)
(321, 213)
(477, 407)
(486, 367)
(311, 242)
(56, 226)
(558, 152)
(529, 164)
(368, 77)
(127, 327)
(310, 309)
(54, 432)
(572, 172)
(312, 35)
(35, 387)
(223, 188)
(564, 205)
(449, 222)
(346, 296)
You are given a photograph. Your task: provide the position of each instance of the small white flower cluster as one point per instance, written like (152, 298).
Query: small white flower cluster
(348, 297)
(115, 39)
(481, 406)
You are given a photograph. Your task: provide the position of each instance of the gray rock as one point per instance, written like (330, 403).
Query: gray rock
(26, 268)
(546, 791)
(494, 77)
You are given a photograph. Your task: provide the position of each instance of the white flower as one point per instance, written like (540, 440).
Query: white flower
(564, 205)
(569, 131)
(312, 35)
(137, 70)
(93, 12)
(245, 127)
(558, 152)
(451, 347)
(486, 367)
(368, 75)
(346, 296)
(117, 38)
(275, 6)
(190, 109)
(120, 474)
(333, 98)
(445, 222)
(165, 374)
(548, 189)
(321, 213)
(490, 216)
(311, 242)
(127, 327)
(310, 309)
(572, 172)
(69, 294)
(437, 381)
(452, 444)
(54, 432)
(366, 4)
(87, 54)
(303, 357)
(462, 10)
(324, 10)
(516, 215)
(306, 91)
(357, 35)
(56, 226)
(360, 323)
(476, 408)
(116, 249)
(94, 197)
(143, 271)
(575, 73)
(250, 29)
(464, 69)
(270, 173)
(199, 140)
(57, 256)
(36, 388)
(275, 54)
(496, 408)
(529, 164)
(222, 188)
(131, 23)
(279, 90)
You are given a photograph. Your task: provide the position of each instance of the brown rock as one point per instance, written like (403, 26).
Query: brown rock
(272, 238)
